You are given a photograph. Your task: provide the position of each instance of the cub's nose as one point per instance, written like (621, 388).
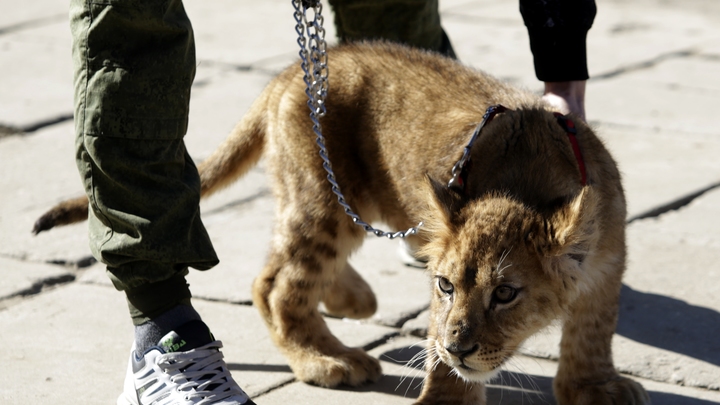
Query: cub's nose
(460, 350)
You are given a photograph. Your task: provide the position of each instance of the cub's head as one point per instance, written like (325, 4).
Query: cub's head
(500, 272)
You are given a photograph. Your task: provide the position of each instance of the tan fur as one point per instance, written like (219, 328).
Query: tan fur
(397, 121)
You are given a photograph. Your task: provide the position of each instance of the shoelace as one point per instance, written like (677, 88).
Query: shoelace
(201, 374)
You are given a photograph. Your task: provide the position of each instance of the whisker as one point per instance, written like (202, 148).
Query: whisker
(412, 371)
(502, 259)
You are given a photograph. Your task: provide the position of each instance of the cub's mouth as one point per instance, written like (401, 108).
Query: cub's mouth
(480, 365)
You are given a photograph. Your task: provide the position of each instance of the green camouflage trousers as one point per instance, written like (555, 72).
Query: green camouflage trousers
(134, 65)
(412, 22)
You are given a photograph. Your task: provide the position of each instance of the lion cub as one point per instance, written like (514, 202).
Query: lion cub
(536, 233)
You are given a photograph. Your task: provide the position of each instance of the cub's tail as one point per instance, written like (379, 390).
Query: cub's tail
(240, 151)
(65, 213)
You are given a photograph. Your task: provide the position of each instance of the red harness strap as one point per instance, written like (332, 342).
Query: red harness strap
(462, 167)
(569, 127)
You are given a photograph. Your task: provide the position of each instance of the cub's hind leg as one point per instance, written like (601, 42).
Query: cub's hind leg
(304, 261)
(350, 296)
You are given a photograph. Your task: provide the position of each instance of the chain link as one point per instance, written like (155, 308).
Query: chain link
(313, 53)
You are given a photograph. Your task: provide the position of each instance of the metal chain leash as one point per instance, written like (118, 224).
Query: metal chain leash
(313, 53)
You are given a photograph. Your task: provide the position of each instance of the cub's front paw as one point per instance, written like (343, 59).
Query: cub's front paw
(617, 391)
(352, 367)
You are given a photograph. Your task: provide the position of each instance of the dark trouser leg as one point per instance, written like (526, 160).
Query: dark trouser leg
(412, 22)
(134, 65)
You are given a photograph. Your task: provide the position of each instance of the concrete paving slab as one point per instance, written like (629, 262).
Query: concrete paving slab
(37, 172)
(13, 18)
(220, 98)
(652, 100)
(20, 277)
(36, 74)
(57, 356)
(241, 236)
(660, 167)
(243, 35)
(676, 306)
(490, 36)
(663, 30)
(69, 346)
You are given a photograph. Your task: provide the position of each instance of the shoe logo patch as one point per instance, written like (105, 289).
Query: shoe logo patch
(173, 343)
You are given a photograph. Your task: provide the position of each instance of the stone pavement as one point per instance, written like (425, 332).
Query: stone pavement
(64, 331)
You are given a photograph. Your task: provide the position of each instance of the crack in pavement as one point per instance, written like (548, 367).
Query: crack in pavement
(405, 317)
(238, 203)
(646, 64)
(76, 264)
(11, 130)
(38, 287)
(674, 204)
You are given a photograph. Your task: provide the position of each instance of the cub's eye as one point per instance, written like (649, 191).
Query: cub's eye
(504, 294)
(445, 285)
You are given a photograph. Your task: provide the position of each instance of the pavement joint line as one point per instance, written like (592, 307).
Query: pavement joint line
(713, 57)
(11, 130)
(29, 24)
(239, 203)
(243, 303)
(381, 341)
(406, 317)
(76, 264)
(40, 286)
(59, 119)
(275, 387)
(8, 130)
(673, 205)
(254, 66)
(646, 64)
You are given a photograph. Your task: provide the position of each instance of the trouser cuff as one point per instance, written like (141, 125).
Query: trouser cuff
(150, 300)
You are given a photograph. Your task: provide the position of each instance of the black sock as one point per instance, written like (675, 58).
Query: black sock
(149, 333)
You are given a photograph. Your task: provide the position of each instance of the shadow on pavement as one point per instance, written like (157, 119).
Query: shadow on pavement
(270, 368)
(509, 388)
(670, 324)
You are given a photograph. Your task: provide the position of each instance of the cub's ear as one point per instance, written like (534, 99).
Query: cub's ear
(572, 230)
(446, 201)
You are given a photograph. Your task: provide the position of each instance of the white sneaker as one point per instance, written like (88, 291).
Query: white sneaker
(408, 255)
(185, 368)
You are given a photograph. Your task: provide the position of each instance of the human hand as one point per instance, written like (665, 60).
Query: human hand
(567, 97)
